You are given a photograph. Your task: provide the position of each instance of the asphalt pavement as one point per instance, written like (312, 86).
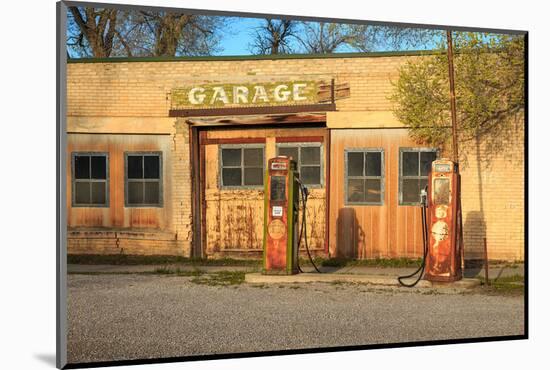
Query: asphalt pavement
(136, 316)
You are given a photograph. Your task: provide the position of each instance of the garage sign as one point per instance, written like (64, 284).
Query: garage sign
(250, 94)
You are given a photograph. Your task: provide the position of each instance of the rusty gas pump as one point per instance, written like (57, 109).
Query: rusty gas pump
(441, 226)
(280, 219)
(445, 244)
(284, 192)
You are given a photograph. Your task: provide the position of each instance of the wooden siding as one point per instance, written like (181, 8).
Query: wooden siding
(234, 218)
(116, 215)
(371, 231)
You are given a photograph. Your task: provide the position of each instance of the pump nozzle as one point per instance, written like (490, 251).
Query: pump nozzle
(304, 188)
(424, 197)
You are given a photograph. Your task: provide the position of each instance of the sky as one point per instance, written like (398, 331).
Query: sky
(235, 39)
(240, 34)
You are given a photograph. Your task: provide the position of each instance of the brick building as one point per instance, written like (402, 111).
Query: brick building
(167, 157)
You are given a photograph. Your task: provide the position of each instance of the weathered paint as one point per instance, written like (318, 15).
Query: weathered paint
(280, 256)
(116, 215)
(234, 95)
(443, 262)
(234, 217)
(371, 231)
(115, 97)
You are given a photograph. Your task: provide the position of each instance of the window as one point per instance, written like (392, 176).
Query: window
(90, 187)
(414, 167)
(364, 176)
(308, 159)
(143, 179)
(242, 166)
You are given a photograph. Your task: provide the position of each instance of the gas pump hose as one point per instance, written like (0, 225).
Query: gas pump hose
(420, 270)
(303, 229)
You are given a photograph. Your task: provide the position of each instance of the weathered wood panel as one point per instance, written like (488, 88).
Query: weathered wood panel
(370, 231)
(234, 218)
(264, 119)
(116, 215)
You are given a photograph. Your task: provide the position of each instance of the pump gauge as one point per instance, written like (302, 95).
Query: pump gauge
(442, 167)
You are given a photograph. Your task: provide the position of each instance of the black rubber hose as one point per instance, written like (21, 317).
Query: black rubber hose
(305, 233)
(298, 247)
(423, 264)
(303, 229)
(301, 233)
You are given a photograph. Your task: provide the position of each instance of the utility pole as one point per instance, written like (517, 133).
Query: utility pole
(453, 97)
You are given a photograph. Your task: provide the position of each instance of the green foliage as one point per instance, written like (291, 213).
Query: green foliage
(489, 85)
(128, 259)
(177, 271)
(372, 262)
(514, 285)
(222, 278)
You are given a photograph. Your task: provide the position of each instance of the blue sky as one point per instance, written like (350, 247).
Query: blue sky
(237, 37)
(236, 40)
(240, 34)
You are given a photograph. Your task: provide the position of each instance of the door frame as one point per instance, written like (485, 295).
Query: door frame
(198, 139)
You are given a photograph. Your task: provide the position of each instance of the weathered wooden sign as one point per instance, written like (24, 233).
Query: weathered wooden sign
(281, 93)
(250, 94)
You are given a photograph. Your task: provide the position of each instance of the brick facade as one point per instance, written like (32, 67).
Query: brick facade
(106, 97)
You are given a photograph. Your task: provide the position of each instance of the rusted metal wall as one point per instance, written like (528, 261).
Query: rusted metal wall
(116, 215)
(370, 231)
(234, 218)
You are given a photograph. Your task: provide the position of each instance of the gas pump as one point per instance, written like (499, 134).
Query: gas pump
(441, 226)
(444, 257)
(280, 218)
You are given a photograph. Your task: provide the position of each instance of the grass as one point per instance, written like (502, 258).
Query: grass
(514, 284)
(124, 259)
(157, 271)
(222, 278)
(475, 263)
(374, 262)
(128, 259)
(177, 272)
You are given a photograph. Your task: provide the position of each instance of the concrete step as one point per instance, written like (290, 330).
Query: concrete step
(374, 280)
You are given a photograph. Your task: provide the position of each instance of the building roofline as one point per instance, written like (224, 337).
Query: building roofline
(253, 57)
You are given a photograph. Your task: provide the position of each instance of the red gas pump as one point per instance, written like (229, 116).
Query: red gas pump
(445, 245)
(280, 218)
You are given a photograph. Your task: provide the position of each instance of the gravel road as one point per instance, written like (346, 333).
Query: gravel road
(115, 317)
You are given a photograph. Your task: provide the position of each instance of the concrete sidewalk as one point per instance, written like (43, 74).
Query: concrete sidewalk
(381, 281)
(495, 271)
(129, 269)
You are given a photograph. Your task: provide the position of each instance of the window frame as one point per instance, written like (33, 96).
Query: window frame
(160, 204)
(74, 180)
(382, 176)
(241, 147)
(300, 145)
(419, 177)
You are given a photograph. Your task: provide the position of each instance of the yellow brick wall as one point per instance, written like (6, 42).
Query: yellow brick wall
(182, 198)
(141, 89)
(175, 237)
(493, 193)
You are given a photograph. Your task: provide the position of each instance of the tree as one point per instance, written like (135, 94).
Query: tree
(489, 84)
(322, 38)
(109, 32)
(369, 38)
(95, 30)
(275, 36)
(170, 34)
